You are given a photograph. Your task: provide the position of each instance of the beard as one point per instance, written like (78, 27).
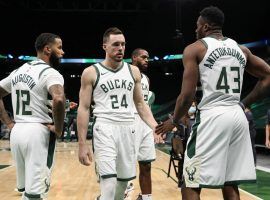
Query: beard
(54, 60)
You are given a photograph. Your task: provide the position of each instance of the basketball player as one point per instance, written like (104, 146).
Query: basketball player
(32, 138)
(111, 85)
(145, 147)
(219, 154)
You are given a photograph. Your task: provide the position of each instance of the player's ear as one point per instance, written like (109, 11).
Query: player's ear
(104, 46)
(206, 27)
(47, 49)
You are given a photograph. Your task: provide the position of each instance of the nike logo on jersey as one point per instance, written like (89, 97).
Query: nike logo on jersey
(104, 73)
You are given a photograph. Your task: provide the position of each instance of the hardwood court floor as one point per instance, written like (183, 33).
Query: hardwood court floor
(73, 181)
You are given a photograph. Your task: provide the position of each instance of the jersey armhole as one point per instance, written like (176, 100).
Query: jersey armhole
(129, 68)
(98, 75)
(204, 43)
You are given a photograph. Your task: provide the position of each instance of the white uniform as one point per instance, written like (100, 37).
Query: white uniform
(113, 129)
(145, 147)
(219, 150)
(32, 144)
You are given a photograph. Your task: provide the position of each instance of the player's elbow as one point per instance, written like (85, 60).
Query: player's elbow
(59, 100)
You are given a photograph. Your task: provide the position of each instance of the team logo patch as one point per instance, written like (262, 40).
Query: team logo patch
(192, 172)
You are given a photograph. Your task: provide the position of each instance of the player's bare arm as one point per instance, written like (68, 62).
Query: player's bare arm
(189, 83)
(267, 136)
(260, 69)
(58, 108)
(3, 114)
(87, 81)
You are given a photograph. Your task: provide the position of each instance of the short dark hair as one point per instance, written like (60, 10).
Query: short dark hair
(135, 52)
(44, 39)
(111, 31)
(213, 16)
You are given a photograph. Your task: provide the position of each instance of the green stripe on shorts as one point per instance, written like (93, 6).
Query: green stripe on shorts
(191, 147)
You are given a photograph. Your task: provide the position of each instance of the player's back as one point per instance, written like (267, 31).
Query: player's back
(29, 91)
(221, 73)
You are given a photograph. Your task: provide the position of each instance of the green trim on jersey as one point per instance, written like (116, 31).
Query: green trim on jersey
(51, 150)
(43, 71)
(109, 69)
(38, 63)
(191, 147)
(129, 68)
(204, 43)
(126, 179)
(98, 76)
(223, 39)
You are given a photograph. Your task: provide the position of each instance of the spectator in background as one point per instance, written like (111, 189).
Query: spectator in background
(252, 130)
(267, 130)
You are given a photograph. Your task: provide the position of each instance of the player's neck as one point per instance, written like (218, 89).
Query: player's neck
(215, 34)
(112, 64)
(44, 58)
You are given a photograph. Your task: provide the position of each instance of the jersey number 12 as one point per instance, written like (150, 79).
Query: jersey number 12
(22, 102)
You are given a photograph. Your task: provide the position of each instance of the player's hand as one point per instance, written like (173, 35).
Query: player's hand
(267, 144)
(85, 155)
(10, 125)
(51, 127)
(158, 139)
(164, 127)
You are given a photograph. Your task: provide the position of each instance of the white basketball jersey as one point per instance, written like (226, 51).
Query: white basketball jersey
(145, 90)
(29, 87)
(113, 93)
(221, 73)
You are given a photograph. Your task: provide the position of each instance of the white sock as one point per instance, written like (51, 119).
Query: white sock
(107, 188)
(146, 196)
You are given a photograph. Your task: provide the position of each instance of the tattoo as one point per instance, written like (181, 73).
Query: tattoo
(58, 106)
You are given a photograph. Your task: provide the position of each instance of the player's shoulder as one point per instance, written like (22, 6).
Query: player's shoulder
(133, 67)
(90, 69)
(195, 47)
(90, 73)
(47, 70)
